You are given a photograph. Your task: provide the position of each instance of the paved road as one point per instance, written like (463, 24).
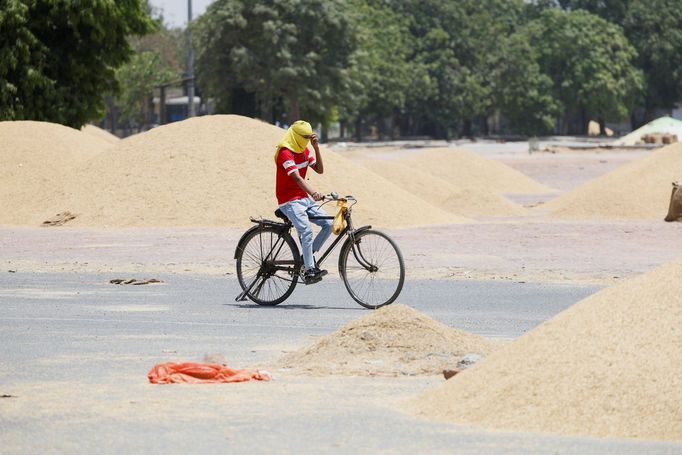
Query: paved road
(76, 349)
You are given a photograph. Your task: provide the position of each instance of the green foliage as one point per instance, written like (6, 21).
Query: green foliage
(654, 27)
(459, 45)
(380, 73)
(521, 91)
(158, 59)
(589, 61)
(138, 78)
(295, 50)
(21, 65)
(58, 57)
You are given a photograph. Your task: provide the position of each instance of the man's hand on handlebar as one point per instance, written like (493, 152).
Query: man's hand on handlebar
(317, 196)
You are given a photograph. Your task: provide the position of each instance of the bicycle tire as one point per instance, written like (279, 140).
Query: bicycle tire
(276, 286)
(372, 288)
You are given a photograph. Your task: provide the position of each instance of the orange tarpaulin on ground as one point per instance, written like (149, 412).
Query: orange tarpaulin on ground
(201, 373)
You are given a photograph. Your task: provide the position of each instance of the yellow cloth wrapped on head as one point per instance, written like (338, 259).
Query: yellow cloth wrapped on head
(294, 139)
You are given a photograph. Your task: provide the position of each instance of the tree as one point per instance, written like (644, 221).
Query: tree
(57, 58)
(654, 28)
(380, 74)
(590, 62)
(458, 44)
(520, 90)
(158, 59)
(138, 78)
(294, 50)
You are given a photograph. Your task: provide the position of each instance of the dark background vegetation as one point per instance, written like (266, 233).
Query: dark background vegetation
(433, 68)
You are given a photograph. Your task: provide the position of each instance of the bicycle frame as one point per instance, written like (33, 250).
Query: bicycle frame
(350, 233)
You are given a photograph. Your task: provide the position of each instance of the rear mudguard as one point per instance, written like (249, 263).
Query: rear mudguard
(264, 224)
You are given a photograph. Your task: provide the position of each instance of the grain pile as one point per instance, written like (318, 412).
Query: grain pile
(610, 366)
(393, 340)
(465, 198)
(209, 171)
(38, 157)
(98, 132)
(637, 190)
(468, 170)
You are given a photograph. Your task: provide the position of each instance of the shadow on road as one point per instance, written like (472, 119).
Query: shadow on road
(294, 307)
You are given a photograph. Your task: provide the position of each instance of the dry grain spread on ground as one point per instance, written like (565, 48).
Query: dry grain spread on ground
(610, 366)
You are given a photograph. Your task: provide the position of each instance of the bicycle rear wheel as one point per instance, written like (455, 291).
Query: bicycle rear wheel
(267, 265)
(372, 269)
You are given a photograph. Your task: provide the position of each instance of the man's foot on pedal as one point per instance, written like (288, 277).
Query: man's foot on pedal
(319, 272)
(313, 275)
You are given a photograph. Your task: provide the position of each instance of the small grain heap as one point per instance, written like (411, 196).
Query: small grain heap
(610, 366)
(391, 341)
(637, 190)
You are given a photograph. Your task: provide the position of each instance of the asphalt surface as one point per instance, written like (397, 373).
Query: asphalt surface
(76, 350)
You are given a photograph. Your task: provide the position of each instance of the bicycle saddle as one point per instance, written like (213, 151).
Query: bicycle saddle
(280, 214)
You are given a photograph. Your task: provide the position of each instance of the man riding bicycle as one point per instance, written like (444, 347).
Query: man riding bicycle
(293, 158)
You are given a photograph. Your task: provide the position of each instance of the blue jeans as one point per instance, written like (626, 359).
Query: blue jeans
(298, 212)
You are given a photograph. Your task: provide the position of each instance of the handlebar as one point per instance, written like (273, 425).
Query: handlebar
(333, 196)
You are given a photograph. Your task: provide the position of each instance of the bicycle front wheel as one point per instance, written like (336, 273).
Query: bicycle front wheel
(372, 269)
(267, 265)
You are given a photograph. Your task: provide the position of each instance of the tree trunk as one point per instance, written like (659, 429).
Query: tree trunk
(266, 109)
(294, 112)
(602, 126)
(466, 129)
(485, 128)
(147, 112)
(358, 129)
(109, 122)
(565, 124)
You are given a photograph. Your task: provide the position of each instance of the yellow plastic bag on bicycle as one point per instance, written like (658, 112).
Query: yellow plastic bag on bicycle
(339, 223)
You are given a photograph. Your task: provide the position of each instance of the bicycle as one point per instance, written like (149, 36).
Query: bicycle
(269, 261)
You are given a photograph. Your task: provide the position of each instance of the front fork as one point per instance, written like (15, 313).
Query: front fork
(355, 247)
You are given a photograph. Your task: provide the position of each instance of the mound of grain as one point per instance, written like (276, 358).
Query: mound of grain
(470, 170)
(609, 366)
(211, 171)
(32, 152)
(98, 132)
(637, 190)
(393, 340)
(476, 199)
(38, 157)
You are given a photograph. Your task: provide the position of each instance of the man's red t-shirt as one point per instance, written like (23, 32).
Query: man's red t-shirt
(287, 162)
